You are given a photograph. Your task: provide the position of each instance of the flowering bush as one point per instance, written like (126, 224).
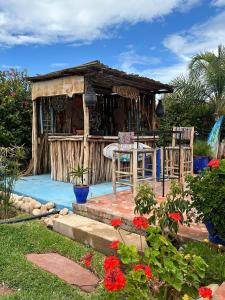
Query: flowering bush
(207, 191)
(15, 109)
(161, 273)
(169, 213)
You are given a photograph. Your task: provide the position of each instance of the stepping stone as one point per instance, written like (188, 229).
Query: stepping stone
(65, 269)
(5, 291)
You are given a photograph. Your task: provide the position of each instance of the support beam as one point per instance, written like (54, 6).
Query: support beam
(153, 112)
(86, 143)
(34, 139)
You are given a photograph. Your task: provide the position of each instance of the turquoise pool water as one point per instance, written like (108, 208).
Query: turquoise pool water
(44, 189)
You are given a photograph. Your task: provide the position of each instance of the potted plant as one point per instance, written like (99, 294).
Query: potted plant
(207, 192)
(81, 190)
(202, 153)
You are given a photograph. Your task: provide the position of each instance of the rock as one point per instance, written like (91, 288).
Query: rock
(55, 216)
(27, 199)
(36, 212)
(51, 210)
(25, 207)
(50, 205)
(49, 221)
(64, 211)
(35, 204)
(43, 209)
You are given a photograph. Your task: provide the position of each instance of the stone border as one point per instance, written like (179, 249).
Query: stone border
(36, 208)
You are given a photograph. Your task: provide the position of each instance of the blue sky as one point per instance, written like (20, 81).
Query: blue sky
(154, 38)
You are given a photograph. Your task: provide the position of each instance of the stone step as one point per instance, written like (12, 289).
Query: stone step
(196, 232)
(220, 293)
(96, 234)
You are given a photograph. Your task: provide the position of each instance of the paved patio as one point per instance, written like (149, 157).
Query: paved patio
(102, 204)
(121, 205)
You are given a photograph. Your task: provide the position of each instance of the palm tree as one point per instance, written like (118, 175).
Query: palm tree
(209, 68)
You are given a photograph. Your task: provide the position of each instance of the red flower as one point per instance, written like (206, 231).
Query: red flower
(111, 262)
(146, 269)
(114, 280)
(214, 163)
(87, 259)
(25, 104)
(140, 222)
(176, 216)
(205, 292)
(115, 245)
(116, 222)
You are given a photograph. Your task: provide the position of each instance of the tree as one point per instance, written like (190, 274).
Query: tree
(188, 106)
(209, 68)
(15, 109)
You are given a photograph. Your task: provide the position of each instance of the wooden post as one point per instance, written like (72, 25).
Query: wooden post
(114, 171)
(182, 166)
(153, 112)
(153, 169)
(134, 167)
(34, 139)
(86, 144)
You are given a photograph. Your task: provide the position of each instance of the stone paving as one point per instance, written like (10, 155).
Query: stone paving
(65, 269)
(5, 291)
(121, 205)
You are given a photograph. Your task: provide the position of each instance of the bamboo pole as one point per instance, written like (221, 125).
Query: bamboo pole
(34, 138)
(86, 143)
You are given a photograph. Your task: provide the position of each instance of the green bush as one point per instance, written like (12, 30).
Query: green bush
(207, 191)
(215, 259)
(15, 109)
(201, 148)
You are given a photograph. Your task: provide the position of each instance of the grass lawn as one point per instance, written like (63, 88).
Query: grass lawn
(31, 282)
(214, 258)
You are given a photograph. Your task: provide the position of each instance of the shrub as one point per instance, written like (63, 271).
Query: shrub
(201, 148)
(207, 191)
(15, 109)
(9, 171)
(214, 258)
(161, 273)
(169, 213)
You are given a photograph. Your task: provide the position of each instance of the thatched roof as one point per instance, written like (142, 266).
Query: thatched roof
(104, 78)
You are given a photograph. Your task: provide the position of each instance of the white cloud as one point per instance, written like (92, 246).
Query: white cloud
(129, 59)
(163, 74)
(218, 3)
(48, 21)
(202, 37)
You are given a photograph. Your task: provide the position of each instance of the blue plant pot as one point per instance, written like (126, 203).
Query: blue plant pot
(81, 193)
(213, 237)
(200, 163)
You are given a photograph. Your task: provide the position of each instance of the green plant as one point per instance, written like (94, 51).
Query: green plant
(10, 159)
(78, 173)
(144, 200)
(15, 109)
(201, 148)
(168, 213)
(209, 68)
(161, 273)
(207, 192)
(214, 257)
